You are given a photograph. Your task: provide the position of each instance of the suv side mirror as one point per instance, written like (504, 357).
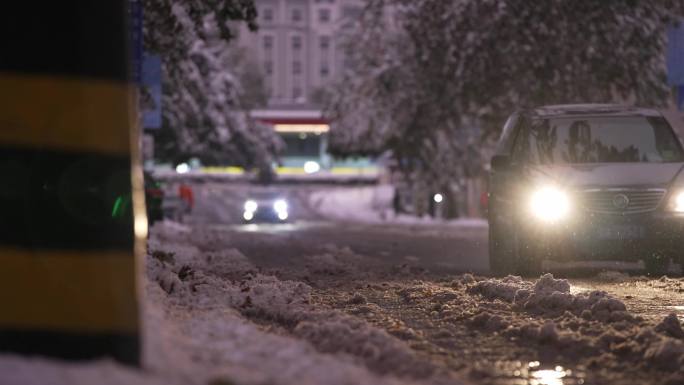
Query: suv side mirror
(501, 162)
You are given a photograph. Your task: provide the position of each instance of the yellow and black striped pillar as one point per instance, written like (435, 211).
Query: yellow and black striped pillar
(70, 186)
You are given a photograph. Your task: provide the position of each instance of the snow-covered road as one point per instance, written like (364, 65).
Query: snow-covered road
(448, 247)
(330, 302)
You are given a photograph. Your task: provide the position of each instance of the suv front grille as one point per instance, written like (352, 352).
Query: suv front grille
(621, 201)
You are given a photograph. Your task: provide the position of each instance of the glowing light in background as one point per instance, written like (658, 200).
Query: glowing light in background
(297, 128)
(182, 168)
(311, 167)
(251, 206)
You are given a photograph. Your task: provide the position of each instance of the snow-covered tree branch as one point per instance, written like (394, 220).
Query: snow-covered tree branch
(430, 80)
(204, 101)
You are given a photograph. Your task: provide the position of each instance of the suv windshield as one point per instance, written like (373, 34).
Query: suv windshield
(614, 139)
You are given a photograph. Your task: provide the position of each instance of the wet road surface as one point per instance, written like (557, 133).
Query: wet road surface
(406, 280)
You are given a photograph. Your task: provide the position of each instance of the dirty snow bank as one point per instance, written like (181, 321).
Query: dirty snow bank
(205, 341)
(225, 283)
(666, 283)
(194, 283)
(587, 325)
(552, 297)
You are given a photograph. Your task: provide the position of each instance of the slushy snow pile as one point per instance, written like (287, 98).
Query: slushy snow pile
(212, 317)
(287, 304)
(202, 317)
(585, 324)
(552, 296)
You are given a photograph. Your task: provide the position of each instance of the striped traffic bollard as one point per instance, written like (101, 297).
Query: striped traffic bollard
(72, 217)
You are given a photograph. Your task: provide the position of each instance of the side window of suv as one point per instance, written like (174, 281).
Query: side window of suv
(521, 146)
(505, 143)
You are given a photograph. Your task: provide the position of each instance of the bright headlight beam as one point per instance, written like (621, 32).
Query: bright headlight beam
(248, 215)
(280, 205)
(678, 202)
(251, 206)
(182, 168)
(550, 204)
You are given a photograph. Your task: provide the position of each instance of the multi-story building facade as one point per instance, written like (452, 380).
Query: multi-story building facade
(298, 49)
(297, 45)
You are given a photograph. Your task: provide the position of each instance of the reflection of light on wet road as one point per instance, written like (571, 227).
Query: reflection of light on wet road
(267, 227)
(534, 373)
(251, 228)
(277, 228)
(574, 289)
(548, 376)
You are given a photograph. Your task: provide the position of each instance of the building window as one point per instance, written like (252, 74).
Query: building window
(296, 15)
(352, 12)
(325, 42)
(268, 67)
(268, 15)
(268, 42)
(325, 70)
(347, 63)
(296, 92)
(324, 15)
(296, 42)
(296, 67)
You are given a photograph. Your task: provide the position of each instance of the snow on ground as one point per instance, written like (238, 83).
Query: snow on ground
(200, 282)
(205, 322)
(17, 370)
(373, 204)
(212, 317)
(512, 330)
(200, 339)
(591, 323)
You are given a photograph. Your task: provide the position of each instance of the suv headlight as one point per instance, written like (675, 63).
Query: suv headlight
(550, 204)
(676, 203)
(251, 206)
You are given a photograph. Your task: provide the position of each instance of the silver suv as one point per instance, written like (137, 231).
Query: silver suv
(593, 182)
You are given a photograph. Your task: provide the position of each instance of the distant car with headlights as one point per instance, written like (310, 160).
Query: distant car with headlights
(266, 206)
(586, 182)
